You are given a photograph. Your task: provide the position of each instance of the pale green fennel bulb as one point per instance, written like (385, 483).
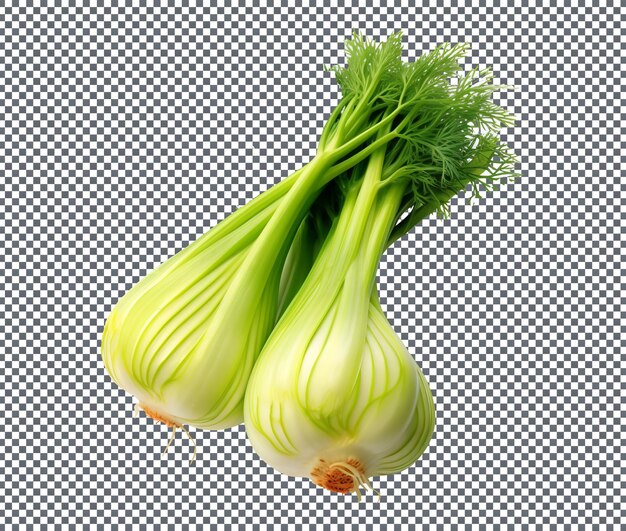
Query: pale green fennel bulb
(334, 395)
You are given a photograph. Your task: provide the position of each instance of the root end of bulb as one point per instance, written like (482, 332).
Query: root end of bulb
(343, 477)
(158, 417)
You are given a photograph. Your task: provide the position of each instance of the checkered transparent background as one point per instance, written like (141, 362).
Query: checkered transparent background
(126, 132)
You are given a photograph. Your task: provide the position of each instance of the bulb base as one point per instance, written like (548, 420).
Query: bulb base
(158, 417)
(343, 477)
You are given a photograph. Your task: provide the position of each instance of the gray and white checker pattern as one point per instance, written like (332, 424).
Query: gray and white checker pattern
(127, 131)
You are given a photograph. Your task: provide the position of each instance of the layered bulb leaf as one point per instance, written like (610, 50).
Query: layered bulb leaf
(334, 395)
(338, 413)
(193, 318)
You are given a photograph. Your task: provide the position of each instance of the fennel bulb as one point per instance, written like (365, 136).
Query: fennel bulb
(334, 395)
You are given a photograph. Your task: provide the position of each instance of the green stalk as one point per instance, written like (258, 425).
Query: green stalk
(272, 245)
